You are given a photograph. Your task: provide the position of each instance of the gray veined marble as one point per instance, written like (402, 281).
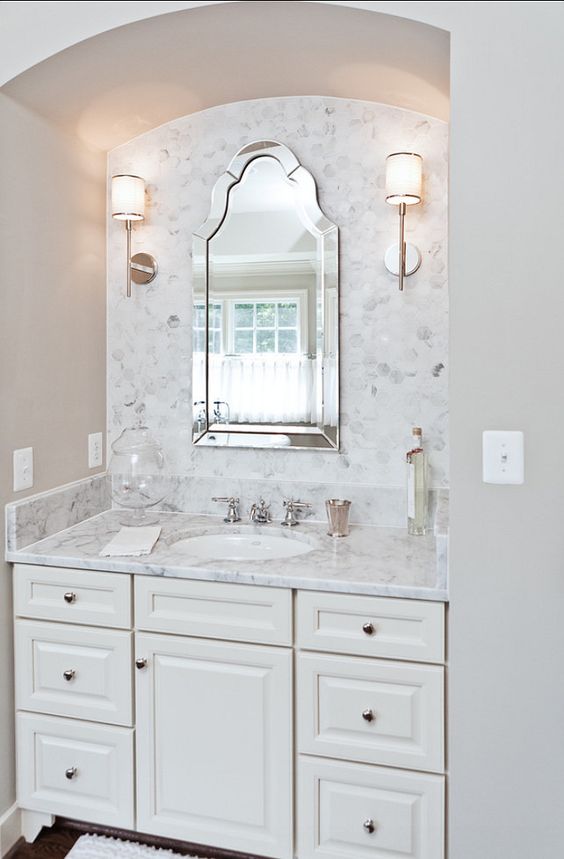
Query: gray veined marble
(373, 561)
(46, 513)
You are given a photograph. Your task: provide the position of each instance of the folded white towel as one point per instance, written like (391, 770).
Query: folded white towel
(132, 541)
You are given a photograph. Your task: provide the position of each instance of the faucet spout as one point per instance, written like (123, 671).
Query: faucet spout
(259, 513)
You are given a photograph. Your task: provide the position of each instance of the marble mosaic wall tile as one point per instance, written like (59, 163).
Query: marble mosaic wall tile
(394, 346)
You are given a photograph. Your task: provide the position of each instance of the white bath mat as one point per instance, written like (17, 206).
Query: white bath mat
(102, 847)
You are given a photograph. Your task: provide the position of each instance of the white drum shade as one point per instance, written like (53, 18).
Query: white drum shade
(403, 178)
(128, 198)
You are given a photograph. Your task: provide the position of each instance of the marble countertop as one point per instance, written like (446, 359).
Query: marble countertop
(371, 560)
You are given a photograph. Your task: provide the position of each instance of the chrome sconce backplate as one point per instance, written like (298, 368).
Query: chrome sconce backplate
(412, 259)
(144, 268)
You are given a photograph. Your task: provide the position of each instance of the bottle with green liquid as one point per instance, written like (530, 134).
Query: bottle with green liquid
(417, 493)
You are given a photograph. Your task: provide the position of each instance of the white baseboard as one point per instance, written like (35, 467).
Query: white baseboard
(10, 829)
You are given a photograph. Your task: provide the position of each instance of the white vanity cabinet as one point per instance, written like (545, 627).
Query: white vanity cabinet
(262, 720)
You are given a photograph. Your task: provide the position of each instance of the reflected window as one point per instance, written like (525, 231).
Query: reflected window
(215, 328)
(266, 327)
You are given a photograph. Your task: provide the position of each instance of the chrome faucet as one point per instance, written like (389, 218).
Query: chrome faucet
(221, 411)
(200, 420)
(259, 513)
(291, 507)
(232, 509)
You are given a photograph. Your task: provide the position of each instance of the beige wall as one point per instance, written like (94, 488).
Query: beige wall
(52, 329)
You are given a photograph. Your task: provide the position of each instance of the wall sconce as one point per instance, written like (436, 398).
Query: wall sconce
(128, 204)
(403, 188)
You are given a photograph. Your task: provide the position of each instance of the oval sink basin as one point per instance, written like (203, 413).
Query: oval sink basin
(243, 547)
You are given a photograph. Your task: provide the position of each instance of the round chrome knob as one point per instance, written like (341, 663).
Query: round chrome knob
(69, 674)
(140, 662)
(368, 715)
(69, 597)
(369, 826)
(368, 628)
(71, 772)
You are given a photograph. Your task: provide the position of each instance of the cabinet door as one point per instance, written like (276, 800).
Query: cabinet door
(214, 743)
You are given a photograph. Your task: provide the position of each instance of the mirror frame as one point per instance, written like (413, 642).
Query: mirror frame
(327, 235)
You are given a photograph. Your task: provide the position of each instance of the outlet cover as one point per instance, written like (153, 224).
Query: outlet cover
(95, 449)
(23, 469)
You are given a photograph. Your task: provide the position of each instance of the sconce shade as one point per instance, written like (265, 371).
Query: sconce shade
(128, 198)
(403, 178)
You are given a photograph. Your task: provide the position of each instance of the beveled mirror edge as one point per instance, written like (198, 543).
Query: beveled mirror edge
(320, 225)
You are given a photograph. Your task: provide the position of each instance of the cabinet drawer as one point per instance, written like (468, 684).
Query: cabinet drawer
(77, 596)
(371, 626)
(214, 610)
(75, 769)
(74, 671)
(357, 810)
(370, 710)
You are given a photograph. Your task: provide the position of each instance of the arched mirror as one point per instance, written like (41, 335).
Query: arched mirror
(266, 316)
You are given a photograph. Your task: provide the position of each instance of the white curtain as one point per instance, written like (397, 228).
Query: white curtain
(330, 392)
(262, 388)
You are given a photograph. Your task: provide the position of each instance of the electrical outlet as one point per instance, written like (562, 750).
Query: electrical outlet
(95, 449)
(23, 469)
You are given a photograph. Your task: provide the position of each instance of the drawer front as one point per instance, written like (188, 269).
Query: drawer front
(369, 710)
(214, 610)
(357, 810)
(371, 626)
(77, 596)
(75, 769)
(74, 671)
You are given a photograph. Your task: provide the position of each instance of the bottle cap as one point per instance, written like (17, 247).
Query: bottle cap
(416, 431)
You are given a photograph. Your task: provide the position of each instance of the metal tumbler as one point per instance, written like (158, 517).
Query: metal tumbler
(338, 512)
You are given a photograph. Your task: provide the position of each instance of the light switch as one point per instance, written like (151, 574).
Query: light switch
(23, 469)
(503, 457)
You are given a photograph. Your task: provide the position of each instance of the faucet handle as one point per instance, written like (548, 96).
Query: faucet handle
(232, 508)
(296, 505)
(291, 506)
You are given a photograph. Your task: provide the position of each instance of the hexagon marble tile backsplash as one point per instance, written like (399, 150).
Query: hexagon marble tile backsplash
(394, 346)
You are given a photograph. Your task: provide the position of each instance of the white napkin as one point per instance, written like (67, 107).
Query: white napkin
(132, 541)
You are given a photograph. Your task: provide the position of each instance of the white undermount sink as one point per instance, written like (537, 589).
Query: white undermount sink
(243, 546)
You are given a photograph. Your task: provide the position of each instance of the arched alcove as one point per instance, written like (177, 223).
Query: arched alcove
(116, 85)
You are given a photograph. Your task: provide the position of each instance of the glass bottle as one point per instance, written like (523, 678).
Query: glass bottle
(417, 493)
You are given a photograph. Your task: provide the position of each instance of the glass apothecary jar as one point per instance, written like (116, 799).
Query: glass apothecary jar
(137, 476)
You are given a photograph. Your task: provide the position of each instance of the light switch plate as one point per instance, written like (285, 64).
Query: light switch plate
(503, 457)
(95, 450)
(23, 469)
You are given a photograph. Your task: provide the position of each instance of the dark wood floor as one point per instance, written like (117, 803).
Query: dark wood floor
(55, 843)
(51, 843)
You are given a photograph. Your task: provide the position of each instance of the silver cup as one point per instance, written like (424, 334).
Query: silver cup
(338, 512)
